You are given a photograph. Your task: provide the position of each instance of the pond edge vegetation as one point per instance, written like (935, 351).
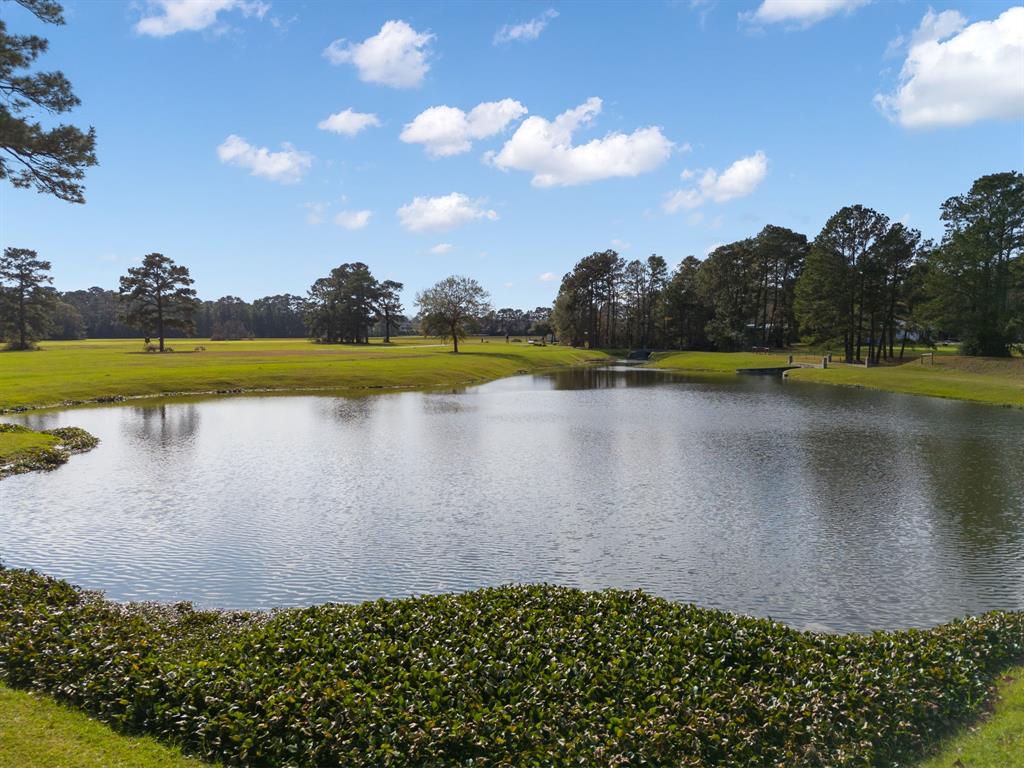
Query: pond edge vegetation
(501, 676)
(46, 455)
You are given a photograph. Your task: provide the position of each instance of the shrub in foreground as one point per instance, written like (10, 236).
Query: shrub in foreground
(524, 675)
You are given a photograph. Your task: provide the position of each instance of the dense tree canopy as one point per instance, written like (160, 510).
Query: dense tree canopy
(389, 305)
(342, 307)
(452, 307)
(26, 302)
(52, 160)
(586, 310)
(851, 287)
(281, 316)
(100, 310)
(158, 296)
(976, 277)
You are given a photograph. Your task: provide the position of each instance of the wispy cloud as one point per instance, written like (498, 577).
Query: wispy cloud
(164, 18)
(348, 123)
(527, 30)
(353, 220)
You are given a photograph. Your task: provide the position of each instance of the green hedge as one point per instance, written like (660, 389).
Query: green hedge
(525, 675)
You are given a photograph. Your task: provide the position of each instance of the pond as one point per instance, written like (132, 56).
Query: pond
(824, 507)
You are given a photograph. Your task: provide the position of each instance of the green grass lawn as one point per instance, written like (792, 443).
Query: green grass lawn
(15, 444)
(984, 380)
(715, 362)
(36, 732)
(997, 740)
(25, 450)
(85, 370)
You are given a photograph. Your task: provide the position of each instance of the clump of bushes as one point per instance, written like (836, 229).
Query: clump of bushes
(519, 675)
(44, 457)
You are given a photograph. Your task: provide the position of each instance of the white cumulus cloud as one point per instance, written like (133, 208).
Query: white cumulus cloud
(545, 149)
(444, 212)
(441, 249)
(802, 13)
(287, 166)
(528, 30)
(448, 130)
(547, 277)
(167, 17)
(956, 74)
(738, 180)
(398, 55)
(348, 123)
(353, 219)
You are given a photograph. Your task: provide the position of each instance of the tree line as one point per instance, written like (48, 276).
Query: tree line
(156, 300)
(863, 285)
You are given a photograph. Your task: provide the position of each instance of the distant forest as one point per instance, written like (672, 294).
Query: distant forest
(97, 313)
(865, 285)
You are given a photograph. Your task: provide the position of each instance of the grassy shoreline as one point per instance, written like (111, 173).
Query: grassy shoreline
(990, 381)
(66, 374)
(25, 450)
(79, 372)
(994, 740)
(38, 732)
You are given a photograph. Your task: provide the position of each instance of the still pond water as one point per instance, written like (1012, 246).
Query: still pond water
(823, 507)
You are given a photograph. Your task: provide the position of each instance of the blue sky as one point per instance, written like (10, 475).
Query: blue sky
(685, 125)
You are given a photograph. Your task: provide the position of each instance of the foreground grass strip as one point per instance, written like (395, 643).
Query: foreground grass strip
(24, 450)
(89, 371)
(528, 675)
(997, 740)
(35, 732)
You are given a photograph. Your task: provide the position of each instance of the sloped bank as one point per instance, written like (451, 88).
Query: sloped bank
(24, 450)
(519, 675)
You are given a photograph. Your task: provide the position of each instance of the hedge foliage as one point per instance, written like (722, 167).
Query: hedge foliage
(71, 440)
(520, 675)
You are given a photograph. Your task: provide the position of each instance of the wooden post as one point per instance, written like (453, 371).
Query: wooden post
(824, 361)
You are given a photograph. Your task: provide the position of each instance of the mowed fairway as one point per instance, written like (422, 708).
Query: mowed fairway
(981, 379)
(996, 381)
(85, 370)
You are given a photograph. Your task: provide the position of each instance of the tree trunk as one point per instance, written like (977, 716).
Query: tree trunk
(387, 327)
(160, 320)
(22, 331)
